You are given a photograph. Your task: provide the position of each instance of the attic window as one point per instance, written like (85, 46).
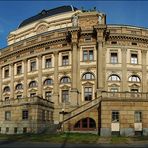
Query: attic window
(133, 43)
(114, 42)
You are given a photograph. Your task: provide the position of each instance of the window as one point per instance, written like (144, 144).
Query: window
(32, 84)
(114, 58)
(88, 76)
(19, 86)
(115, 116)
(114, 77)
(134, 58)
(65, 60)
(19, 69)
(7, 115)
(32, 95)
(24, 130)
(6, 98)
(138, 116)
(48, 82)
(15, 130)
(65, 79)
(65, 95)
(48, 63)
(32, 65)
(134, 78)
(88, 93)
(85, 124)
(88, 55)
(114, 89)
(48, 95)
(19, 96)
(25, 114)
(134, 90)
(43, 115)
(6, 73)
(6, 89)
(7, 129)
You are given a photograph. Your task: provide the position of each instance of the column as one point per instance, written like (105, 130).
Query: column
(144, 73)
(40, 76)
(74, 89)
(124, 81)
(55, 97)
(0, 83)
(12, 81)
(25, 79)
(100, 58)
(56, 84)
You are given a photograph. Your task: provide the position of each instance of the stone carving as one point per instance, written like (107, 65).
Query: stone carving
(75, 21)
(41, 29)
(100, 19)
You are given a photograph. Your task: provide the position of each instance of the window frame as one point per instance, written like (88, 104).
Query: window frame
(86, 54)
(138, 117)
(88, 74)
(49, 63)
(65, 95)
(33, 67)
(90, 93)
(114, 59)
(48, 97)
(18, 71)
(7, 115)
(65, 62)
(115, 116)
(114, 77)
(134, 60)
(25, 114)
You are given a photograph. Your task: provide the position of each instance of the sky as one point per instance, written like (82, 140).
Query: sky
(12, 13)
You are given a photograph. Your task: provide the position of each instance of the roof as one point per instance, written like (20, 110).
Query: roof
(46, 13)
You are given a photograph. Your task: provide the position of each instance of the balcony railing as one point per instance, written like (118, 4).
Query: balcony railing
(124, 95)
(26, 101)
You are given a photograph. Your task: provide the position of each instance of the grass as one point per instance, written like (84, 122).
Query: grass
(72, 138)
(57, 138)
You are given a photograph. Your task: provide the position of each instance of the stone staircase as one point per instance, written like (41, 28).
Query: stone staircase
(81, 109)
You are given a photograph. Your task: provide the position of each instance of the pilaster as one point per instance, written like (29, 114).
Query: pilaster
(144, 74)
(40, 76)
(12, 81)
(25, 78)
(124, 70)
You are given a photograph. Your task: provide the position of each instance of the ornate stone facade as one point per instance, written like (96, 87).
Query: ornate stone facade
(94, 74)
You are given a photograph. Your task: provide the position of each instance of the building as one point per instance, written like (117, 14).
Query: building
(67, 66)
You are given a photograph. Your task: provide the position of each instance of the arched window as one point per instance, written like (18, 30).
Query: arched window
(48, 82)
(88, 76)
(114, 77)
(6, 89)
(85, 124)
(65, 79)
(19, 86)
(32, 84)
(134, 78)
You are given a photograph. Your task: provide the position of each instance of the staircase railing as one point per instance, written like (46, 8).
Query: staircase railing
(82, 109)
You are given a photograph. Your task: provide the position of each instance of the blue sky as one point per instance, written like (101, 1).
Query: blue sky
(12, 13)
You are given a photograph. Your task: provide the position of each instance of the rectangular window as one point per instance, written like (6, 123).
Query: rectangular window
(48, 63)
(25, 114)
(8, 115)
(65, 95)
(138, 116)
(6, 98)
(48, 95)
(6, 73)
(15, 130)
(32, 95)
(134, 58)
(88, 93)
(115, 116)
(7, 129)
(19, 96)
(114, 58)
(19, 69)
(65, 60)
(88, 55)
(24, 130)
(32, 65)
(43, 115)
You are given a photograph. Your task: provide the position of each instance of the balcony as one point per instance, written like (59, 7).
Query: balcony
(125, 95)
(27, 101)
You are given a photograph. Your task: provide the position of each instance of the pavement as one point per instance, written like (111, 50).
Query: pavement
(15, 144)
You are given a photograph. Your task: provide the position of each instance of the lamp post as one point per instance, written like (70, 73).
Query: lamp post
(63, 113)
